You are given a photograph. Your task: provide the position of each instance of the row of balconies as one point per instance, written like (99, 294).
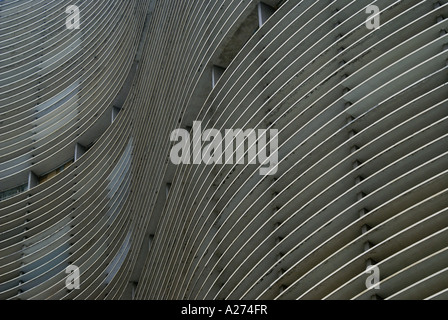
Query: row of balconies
(362, 120)
(69, 216)
(362, 172)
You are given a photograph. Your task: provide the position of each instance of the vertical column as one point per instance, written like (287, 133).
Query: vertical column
(33, 180)
(115, 112)
(217, 72)
(79, 151)
(264, 13)
(167, 189)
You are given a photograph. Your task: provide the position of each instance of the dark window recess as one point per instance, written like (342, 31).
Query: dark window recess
(13, 192)
(54, 173)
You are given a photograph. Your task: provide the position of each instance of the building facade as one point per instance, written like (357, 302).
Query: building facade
(91, 92)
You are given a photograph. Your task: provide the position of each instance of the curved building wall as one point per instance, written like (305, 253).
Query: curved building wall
(65, 139)
(85, 171)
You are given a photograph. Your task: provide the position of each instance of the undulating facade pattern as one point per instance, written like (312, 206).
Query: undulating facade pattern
(86, 178)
